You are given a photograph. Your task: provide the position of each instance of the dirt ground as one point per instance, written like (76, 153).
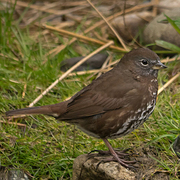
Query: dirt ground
(148, 168)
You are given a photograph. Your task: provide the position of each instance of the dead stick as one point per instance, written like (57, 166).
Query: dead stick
(62, 31)
(59, 48)
(51, 11)
(120, 13)
(168, 83)
(87, 72)
(19, 124)
(155, 7)
(69, 71)
(170, 60)
(13, 58)
(112, 29)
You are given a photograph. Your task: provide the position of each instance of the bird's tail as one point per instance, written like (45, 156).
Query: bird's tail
(53, 110)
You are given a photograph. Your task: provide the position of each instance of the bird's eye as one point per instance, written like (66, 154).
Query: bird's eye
(144, 62)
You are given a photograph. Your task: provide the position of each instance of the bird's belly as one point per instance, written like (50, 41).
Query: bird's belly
(90, 133)
(134, 121)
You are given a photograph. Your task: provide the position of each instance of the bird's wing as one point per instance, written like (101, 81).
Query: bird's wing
(99, 98)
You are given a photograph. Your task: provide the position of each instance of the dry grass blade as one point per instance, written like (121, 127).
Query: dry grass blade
(16, 116)
(104, 65)
(87, 72)
(135, 8)
(95, 71)
(15, 59)
(168, 83)
(61, 47)
(69, 71)
(24, 91)
(13, 123)
(81, 37)
(113, 30)
(170, 60)
(43, 9)
(104, 68)
(73, 3)
(155, 7)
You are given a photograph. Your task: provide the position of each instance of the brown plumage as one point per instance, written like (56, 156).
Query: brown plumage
(114, 104)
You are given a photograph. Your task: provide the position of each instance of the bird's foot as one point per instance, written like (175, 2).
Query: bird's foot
(117, 156)
(120, 154)
(127, 164)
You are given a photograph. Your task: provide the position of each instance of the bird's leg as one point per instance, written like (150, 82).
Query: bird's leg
(119, 153)
(115, 156)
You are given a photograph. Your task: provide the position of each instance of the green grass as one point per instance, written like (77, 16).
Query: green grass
(47, 148)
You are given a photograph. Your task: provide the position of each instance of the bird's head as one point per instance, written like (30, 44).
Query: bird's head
(142, 61)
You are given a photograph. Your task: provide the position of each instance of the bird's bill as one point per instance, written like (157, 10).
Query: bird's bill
(159, 65)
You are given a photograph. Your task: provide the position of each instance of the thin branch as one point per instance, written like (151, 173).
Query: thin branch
(155, 7)
(168, 83)
(87, 72)
(171, 59)
(43, 9)
(138, 7)
(81, 37)
(13, 123)
(104, 65)
(13, 58)
(61, 47)
(113, 30)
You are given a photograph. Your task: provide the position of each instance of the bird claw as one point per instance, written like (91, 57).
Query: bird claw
(119, 153)
(121, 161)
(118, 158)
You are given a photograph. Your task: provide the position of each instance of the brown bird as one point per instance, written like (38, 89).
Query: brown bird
(114, 104)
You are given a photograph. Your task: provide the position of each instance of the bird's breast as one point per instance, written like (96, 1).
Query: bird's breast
(133, 119)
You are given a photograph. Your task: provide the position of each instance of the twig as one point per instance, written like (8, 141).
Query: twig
(86, 72)
(69, 71)
(155, 7)
(95, 71)
(15, 116)
(43, 9)
(168, 83)
(120, 13)
(15, 59)
(73, 3)
(171, 59)
(61, 47)
(24, 91)
(19, 124)
(53, 136)
(81, 37)
(113, 30)
(104, 65)
(100, 37)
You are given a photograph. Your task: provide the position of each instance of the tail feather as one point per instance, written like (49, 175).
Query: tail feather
(53, 110)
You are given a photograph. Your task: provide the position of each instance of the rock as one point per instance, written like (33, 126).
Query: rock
(12, 174)
(95, 62)
(160, 31)
(166, 5)
(86, 168)
(134, 22)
